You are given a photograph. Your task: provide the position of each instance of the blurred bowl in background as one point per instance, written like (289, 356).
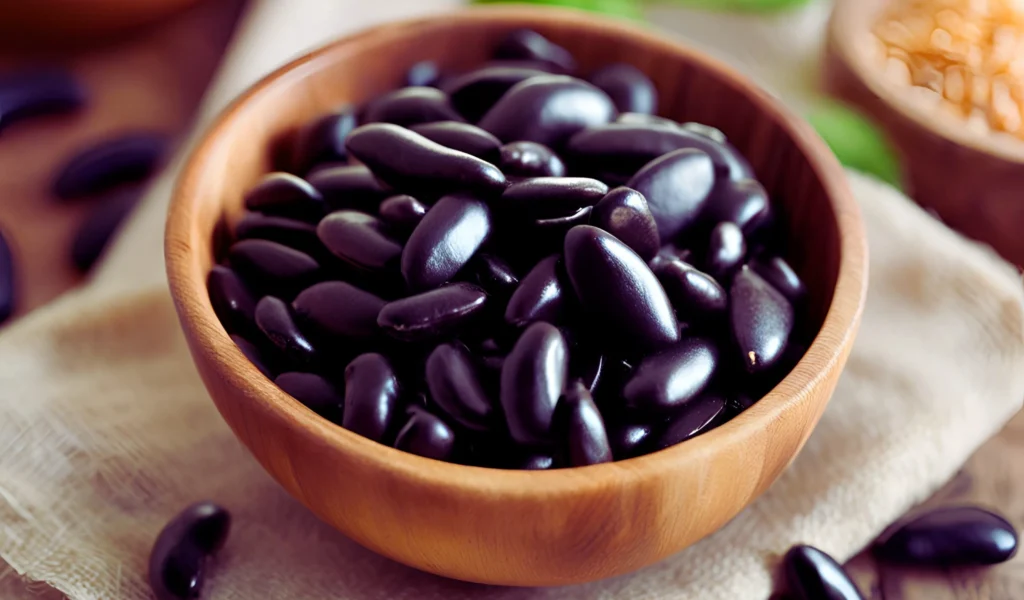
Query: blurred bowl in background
(67, 22)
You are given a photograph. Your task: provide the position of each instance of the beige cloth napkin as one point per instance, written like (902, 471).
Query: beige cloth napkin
(106, 431)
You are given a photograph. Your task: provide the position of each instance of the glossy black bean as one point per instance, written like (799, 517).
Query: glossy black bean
(690, 420)
(411, 106)
(285, 195)
(268, 265)
(474, 93)
(423, 73)
(256, 355)
(462, 137)
(671, 251)
(548, 109)
(127, 158)
(524, 44)
(401, 213)
(534, 462)
(673, 377)
(98, 229)
(624, 213)
(776, 271)
(349, 187)
(810, 574)
(494, 275)
(338, 310)
(630, 89)
(740, 201)
(8, 279)
(323, 140)
(949, 536)
(550, 197)
(177, 561)
(693, 293)
(410, 162)
(359, 239)
(35, 93)
(629, 439)
(542, 295)
(232, 301)
(531, 382)
(318, 394)
(580, 429)
(444, 241)
(455, 386)
(275, 320)
(761, 318)
(530, 159)
(290, 232)
(426, 435)
(712, 133)
(725, 251)
(371, 397)
(676, 186)
(632, 118)
(618, 292)
(433, 315)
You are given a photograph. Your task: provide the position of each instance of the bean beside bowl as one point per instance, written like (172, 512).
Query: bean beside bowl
(502, 258)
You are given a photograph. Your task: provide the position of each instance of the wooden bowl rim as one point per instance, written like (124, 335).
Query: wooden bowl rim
(188, 286)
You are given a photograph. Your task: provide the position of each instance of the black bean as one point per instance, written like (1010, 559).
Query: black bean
(949, 536)
(741, 201)
(462, 137)
(776, 271)
(524, 44)
(693, 293)
(258, 356)
(530, 159)
(285, 195)
(275, 320)
(232, 301)
(624, 213)
(811, 574)
(629, 439)
(531, 382)
(444, 241)
(410, 106)
(632, 118)
(436, 314)
(676, 187)
(270, 266)
(762, 320)
(580, 427)
(293, 233)
(8, 279)
(671, 251)
(423, 73)
(359, 239)
(618, 292)
(410, 162)
(35, 93)
(318, 394)
(494, 275)
(630, 89)
(690, 420)
(541, 296)
(456, 387)
(550, 197)
(672, 377)
(323, 140)
(725, 251)
(98, 229)
(426, 435)
(534, 462)
(712, 133)
(339, 310)
(349, 187)
(474, 93)
(127, 158)
(371, 397)
(177, 561)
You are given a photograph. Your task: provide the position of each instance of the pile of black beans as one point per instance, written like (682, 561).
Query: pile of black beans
(518, 268)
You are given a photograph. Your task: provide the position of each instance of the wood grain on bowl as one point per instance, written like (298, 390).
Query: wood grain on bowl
(514, 527)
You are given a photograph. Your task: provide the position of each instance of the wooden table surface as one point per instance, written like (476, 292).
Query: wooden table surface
(154, 78)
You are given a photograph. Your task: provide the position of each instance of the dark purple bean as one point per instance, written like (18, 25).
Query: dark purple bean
(437, 314)
(534, 462)
(275, 320)
(587, 365)
(530, 159)
(813, 575)
(270, 266)
(524, 44)
(462, 137)
(740, 201)
(949, 536)
(371, 397)
(474, 93)
(544, 236)
(349, 187)
(618, 292)
(725, 251)
(98, 229)
(323, 140)
(408, 161)
(127, 158)
(35, 93)
(444, 241)
(672, 377)
(580, 427)
(426, 435)
(423, 74)
(315, 392)
(8, 279)
(402, 213)
(623, 212)
(339, 310)
(693, 293)
(359, 239)
(531, 382)
(781, 276)
(632, 118)
(690, 420)
(670, 251)
(411, 106)
(541, 296)
(299, 235)
(177, 561)
(494, 275)
(232, 301)
(285, 195)
(550, 197)
(455, 386)
(712, 133)
(256, 355)
(762, 320)
(628, 439)
(676, 187)
(630, 89)
(548, 109)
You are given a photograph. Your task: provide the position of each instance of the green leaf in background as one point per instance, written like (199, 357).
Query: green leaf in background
(857, 142)
(627, 9)
(741, 5)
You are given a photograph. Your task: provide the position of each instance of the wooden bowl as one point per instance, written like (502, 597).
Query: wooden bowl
(518, 527)
(971, 180)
